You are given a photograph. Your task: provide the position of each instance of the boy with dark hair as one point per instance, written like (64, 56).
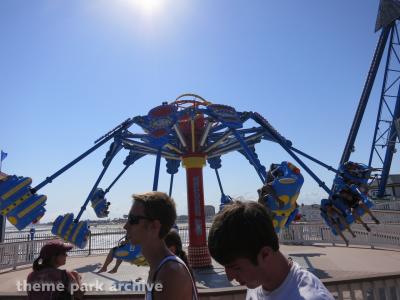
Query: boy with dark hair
(150, 219)
(242, 239)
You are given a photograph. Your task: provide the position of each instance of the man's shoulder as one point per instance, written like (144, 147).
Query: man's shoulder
(175, 281)
(300, 284)
(289, 293)
(310, 286)
(176, 272)
(173, 268)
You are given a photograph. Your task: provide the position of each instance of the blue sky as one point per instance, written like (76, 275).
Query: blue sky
(72, 70)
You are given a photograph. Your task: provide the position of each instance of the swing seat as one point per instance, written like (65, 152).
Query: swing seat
(17, 202)
(340, 204)
(339, 186)
(292, 217)
(227, 115)
(100, 204)
(74, 233)
(127, 252)
(130, 253)
(13, 191)
(279, 222)
(343, 206)
(61, 224)
(329, 222)
(140, 261)
(286, 186)
(271, 203)
(29, 211)
(282, 219)
(360, 210)
(355, 173)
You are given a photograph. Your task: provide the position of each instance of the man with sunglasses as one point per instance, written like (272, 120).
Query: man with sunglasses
(151, 217)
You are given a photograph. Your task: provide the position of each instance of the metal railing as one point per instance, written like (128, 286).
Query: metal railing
(19, 253)
(381, 287)
(389, 205)
(385, 216)
(101, 241)
(308, 234)
(116, 232)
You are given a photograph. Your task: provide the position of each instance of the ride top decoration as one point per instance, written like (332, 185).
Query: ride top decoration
(195, 132)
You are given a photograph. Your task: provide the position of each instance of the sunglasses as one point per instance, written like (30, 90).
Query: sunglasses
(133, 220)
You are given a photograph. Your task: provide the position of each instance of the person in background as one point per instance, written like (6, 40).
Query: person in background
(243, 240)
(46, 270)
(174, 244)
(32, 233)
(110, 257)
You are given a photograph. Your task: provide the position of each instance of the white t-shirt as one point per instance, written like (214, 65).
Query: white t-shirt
(298, 285)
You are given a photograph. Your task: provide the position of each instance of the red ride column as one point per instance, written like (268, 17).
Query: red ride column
(199, 256)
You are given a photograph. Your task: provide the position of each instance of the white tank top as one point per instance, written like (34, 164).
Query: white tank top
(149, 293)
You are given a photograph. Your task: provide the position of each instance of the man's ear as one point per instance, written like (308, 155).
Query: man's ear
(264, 255)
(156, 225)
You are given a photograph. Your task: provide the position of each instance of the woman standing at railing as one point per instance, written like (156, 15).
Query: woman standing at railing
(47, 281)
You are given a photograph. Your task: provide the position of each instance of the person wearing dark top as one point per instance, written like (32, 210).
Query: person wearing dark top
(47, 281)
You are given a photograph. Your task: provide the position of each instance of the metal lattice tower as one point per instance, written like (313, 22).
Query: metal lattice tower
(385, 134)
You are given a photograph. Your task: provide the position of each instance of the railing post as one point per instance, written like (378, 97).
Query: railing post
(15, 257)
(301, 234)
(370, 240)
(90, 244)
(293, 234)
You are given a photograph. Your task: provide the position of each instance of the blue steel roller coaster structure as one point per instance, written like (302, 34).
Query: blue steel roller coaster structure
(215, 130)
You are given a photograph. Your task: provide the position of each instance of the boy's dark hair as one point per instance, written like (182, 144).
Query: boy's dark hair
(158, 206)
(240, 230)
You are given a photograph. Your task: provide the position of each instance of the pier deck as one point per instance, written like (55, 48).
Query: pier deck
(325, 261)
